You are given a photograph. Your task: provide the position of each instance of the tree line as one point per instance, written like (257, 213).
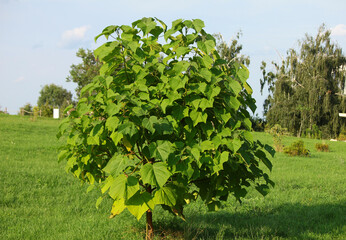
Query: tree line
(305, 90)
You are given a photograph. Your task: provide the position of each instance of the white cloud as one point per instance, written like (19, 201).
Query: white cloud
(74, 37)
(20, 79)
(339, 30)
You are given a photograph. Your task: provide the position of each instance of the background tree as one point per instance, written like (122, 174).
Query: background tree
(83, 73)
(231, 51)
(165, 133)
(27, 109)
(305, 89)
(53, 96)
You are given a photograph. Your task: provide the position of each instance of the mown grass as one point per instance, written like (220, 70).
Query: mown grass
(39, 200)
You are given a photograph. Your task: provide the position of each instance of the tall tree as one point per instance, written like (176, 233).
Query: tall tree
(305, 89)
(83, 73)
(54, 96)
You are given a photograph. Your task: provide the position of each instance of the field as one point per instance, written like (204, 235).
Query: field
(39, 200)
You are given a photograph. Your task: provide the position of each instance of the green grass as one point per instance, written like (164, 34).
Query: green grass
(39, 200)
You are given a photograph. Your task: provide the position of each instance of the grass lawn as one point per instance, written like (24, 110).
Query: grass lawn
(39, 200)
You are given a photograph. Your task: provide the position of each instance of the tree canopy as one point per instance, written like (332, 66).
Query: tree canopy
(54, 96)
(305, 90)
(83, 73)
(163, 133)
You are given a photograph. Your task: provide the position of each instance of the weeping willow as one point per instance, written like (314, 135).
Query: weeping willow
(305, 90)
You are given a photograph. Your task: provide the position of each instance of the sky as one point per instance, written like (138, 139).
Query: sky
(39, 38)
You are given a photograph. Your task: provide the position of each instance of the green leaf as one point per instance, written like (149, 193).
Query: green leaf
(207, 145)
(93, 140)
(155, 174)
(118, 187)
(112, 109)
(198, 24)
(206, 46)
(116, 164)
(263, 189)
(98, 202)
(206, 74)
(234, 86)
(107, 31)
(263, 157)
(160, 150)
(243, 73)
(269, 149)
(139, 204)
(112, 123)
(127, 128)
(233, 103)
(146, 25)
(208, 61)
(198, 117)
(248, 88)
(224, 157)
(118, 206)
(83, 108)
(116, 137)
(97, 130)
(236, 144)
(124, 187)
(166, 196)
(162, 23)
(196, 153)
(182, 51)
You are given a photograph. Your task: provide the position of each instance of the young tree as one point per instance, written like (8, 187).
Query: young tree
(83, 73)
(164, 133)
(304, 91)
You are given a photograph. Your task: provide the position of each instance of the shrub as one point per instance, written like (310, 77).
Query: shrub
(322, 147)
(313, 133)
(277, 132)
(342, 135)
(297, 149)
(47, 110)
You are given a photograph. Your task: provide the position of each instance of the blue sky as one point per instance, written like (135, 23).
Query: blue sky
(39, 38)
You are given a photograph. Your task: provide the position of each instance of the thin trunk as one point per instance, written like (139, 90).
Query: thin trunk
(150, 226)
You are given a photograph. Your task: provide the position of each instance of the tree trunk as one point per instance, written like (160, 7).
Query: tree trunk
(149, 227)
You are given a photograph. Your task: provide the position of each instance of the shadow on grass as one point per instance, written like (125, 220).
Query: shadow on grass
(285, 221)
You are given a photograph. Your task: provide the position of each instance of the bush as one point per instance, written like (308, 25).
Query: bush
(277, 132)
(47, 110)
(322, 147)
(342, 135)
(313, 133)
(297, 149)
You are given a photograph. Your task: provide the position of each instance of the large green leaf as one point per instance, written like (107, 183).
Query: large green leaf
(198, 24)
(160, 150)
(197, 117)
(124, 187)
(112, 123)
(117, 164)
(112, 109)
(243, 73)
(155, 174)
(139, 204)
(166, 196)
